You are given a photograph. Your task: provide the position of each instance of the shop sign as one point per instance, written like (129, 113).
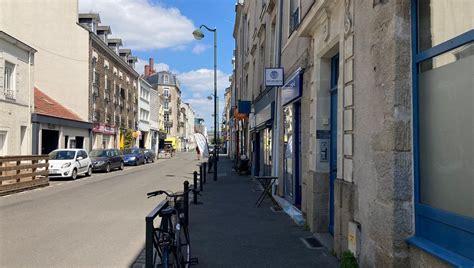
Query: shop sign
(104, 129)
(273, 77)
(264, 115)
(293, 88)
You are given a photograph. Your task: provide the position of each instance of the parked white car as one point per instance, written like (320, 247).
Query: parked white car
(69, 163)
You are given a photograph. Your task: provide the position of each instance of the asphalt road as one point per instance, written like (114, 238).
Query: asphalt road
(91, 222)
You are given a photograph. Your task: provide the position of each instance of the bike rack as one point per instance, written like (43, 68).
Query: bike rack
(150, 228)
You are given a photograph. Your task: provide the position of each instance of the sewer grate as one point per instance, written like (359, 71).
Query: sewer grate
(311, 242)
(170, 175)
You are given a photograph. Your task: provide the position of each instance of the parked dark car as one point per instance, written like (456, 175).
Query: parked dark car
(106, 159)
(150, 156)
(134, 156)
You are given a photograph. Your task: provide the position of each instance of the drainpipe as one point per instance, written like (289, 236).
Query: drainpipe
(29, 101)
(276, 133)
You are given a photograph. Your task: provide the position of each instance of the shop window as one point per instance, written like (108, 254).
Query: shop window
(443, 94)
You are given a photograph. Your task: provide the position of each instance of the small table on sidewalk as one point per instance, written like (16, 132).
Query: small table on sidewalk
(267, 183)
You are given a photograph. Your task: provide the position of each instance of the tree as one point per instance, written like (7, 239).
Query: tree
(129, 140)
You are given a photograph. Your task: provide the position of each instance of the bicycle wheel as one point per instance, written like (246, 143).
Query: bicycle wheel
(182, 248)
(163, 240)
(184, 245)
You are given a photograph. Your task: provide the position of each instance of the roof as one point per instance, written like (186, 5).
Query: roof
(158, 78)
(45, 105)
(16, 42)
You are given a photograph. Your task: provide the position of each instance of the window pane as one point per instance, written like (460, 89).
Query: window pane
(446, 124)
(441, 20)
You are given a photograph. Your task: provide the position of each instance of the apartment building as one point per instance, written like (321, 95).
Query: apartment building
(157, 115)
(113, 83)
(167, 84)
(188, 127)
(16, 95)
(61, 69)
(144, 124)
(360, 125)
(56, 57)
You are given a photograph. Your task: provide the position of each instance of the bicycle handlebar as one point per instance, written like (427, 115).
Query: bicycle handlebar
(167, 193)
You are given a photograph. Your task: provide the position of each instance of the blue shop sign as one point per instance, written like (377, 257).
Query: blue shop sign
(293, 88)
(243, 107)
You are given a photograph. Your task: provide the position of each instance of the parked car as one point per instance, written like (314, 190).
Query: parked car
(133, 156)
(106, 159)
(150, 156)
(69, 163)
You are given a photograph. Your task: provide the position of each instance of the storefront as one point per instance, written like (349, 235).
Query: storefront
(103, 136)
(291, 95)
(261, 124)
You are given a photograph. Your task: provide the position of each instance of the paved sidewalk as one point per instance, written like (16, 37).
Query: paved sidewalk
(228, 230)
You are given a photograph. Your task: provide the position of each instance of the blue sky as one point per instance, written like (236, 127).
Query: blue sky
(162, 29)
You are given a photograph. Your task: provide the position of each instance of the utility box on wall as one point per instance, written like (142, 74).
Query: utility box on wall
(353, 238)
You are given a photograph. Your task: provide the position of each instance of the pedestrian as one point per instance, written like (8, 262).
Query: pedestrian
(198, 153)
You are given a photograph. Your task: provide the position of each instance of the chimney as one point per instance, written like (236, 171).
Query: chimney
(151, 61)
(147, 70)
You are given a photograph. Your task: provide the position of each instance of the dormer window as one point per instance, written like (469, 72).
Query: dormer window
(166, 79)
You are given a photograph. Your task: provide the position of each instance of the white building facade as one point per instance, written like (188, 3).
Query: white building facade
(16, 95)
(144, 140)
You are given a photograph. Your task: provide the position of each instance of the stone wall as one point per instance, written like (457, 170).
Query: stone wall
(382, 132)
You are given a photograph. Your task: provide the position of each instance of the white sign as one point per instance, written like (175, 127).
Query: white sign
(273, 77)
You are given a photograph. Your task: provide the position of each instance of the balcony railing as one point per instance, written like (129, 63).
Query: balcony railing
(10, 94)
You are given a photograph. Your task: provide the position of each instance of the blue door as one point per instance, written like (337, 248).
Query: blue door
(333, 141)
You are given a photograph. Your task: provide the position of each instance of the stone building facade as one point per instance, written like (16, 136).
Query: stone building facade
(380, 87)
(113, 102)
(167, 85)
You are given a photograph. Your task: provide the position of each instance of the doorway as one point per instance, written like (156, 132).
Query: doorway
(333, 138)
(49, 140)
(79, 142)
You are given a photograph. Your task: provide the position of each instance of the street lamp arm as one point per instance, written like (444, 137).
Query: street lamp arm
(209, 29)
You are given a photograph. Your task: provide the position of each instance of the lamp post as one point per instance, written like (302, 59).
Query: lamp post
(216, 139)
(198, 35)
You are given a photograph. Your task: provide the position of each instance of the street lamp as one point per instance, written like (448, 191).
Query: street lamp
(216, 139)
(198, 35)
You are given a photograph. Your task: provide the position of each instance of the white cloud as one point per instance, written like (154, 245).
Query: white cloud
(197, 85)
(140, 66)
(200, 48)
(141, 24)
(202, 80)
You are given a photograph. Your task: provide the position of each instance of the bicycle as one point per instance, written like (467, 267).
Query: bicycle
(171, 238)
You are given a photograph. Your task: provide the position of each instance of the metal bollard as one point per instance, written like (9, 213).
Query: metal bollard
(186, 202)
(195, 197)
(204, 171)
(200, 178)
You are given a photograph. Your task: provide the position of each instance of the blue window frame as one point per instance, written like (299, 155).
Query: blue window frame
(443, 233)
